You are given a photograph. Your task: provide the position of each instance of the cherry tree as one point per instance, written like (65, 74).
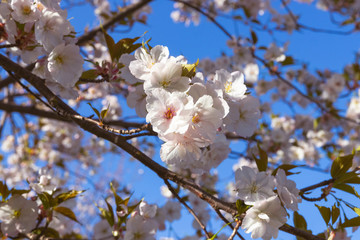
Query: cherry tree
(68, 100)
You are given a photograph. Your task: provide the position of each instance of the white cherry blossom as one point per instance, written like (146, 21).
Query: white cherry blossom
(141, 67)
(253, 186)
(243, 116)
(232, 84)
(50, 29)
(65, 64)
(264, 219)
(287, 191)
(167, 75)
(18, 215)
(24, 11)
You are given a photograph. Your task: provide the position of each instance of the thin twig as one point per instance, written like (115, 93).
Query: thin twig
(212, 19)
(299, 25)
(238, 224)
(228, 223)
(197, 219)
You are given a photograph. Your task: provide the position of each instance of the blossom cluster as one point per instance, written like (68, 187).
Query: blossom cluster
(267, 213)
(41, 33)
(189, 113)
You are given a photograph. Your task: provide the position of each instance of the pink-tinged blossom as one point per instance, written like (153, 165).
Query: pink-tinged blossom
(65, 64)
(264, 219)
(24, 11)
(169, 112)
(50, 29)
(138, 228)
(243, 116)
(18, 215)
(287, 191)
(179, 150)
(141, 67)
(205, 120)
(253, 186)
(167, 75)
(231, 84)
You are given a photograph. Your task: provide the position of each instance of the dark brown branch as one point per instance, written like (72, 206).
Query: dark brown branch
(197, 219)
(300, 233)
(321, 184)
(35, 111)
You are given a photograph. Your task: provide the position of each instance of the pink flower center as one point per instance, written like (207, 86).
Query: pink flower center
(170, 113)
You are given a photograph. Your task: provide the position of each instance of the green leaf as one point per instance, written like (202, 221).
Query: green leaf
(325, 213)
(68, 195)
(288, 61)
(19, 191)
(348, 177)
(315, 123)
(132, 208)
(189, 70)
(125, 45)
(118, 199)
(286, 168)
(111, 219)
(353, 222)
(46, 200)
(4, 190)
(357, 210)
(346, 188)
(261, 162)
(110, 44)
(47, 232)
(341, 165)
(89, 74)
(335, 212)
(241, 206)
(67, 212)
(104, 112)
(299, 222)
(95, 110)
(106, 214)
(253, 37)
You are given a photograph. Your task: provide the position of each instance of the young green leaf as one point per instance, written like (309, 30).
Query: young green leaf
(325, 213)
(261, 162)
(67, 212)
(341, 165)
(335, 212)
